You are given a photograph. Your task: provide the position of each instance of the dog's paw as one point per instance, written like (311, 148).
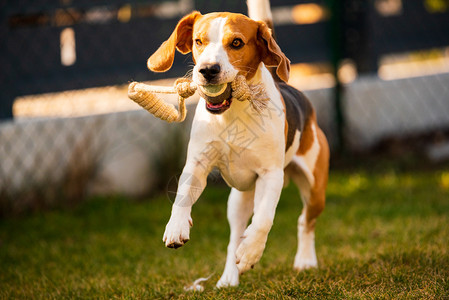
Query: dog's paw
(229, 278)
(303, 262)
(305, 258)
(250, 250)
(177, 232)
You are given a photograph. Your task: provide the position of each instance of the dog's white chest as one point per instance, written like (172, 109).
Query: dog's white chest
(237, 167)
(239, 145)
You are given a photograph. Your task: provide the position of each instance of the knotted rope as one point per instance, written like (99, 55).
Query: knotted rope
(144, 95)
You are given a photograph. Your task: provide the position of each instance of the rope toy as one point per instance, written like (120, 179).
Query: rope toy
(145, 95)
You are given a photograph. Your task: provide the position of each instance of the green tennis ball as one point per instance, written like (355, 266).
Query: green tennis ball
(214, 89)
(216, 93)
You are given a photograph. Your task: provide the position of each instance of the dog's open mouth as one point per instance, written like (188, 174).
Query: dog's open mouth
(218, 97)
(218, 108)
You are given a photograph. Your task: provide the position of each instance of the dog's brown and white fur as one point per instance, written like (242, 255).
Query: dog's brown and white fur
(284, 143)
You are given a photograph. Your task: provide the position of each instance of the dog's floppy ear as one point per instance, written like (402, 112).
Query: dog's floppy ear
(272, 55)
(180, 39)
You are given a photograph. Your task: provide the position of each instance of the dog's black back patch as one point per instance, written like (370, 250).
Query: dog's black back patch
(298, 110)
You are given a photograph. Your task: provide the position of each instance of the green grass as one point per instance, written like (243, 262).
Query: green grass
(383, 234)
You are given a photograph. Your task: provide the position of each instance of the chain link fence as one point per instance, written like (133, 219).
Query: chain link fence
(67, 129)
(59, 161)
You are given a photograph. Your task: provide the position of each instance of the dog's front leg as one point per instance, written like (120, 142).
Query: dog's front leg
(268, 190)
(190, 186)
(240, 209)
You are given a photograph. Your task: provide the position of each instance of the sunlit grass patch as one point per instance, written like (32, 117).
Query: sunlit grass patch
(383, 234)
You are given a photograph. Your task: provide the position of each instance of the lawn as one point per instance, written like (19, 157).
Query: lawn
(384, 234)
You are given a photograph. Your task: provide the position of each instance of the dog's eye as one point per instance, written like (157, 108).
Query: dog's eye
(237, 43)
(198, 42)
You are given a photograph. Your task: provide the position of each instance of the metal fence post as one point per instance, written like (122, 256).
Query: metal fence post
(7, 83)
(336, 41)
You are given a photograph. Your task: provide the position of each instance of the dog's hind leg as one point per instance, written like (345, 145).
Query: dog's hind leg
(309, 171)
(240, 209)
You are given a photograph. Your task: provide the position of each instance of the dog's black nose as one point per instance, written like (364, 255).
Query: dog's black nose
(209, 72)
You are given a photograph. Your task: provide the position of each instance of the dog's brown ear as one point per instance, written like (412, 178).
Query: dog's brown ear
(180, 39)
(272, 55)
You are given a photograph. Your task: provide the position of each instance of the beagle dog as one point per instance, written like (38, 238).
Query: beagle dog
(256, 152)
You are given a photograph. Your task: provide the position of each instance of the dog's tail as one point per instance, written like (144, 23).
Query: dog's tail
(260, 10)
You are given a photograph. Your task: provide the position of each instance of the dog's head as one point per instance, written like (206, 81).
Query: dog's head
(223, 45)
